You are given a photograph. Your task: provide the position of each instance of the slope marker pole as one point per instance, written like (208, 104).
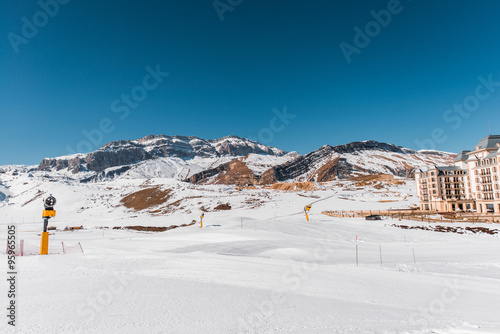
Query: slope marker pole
(380, 247)
(357, 250)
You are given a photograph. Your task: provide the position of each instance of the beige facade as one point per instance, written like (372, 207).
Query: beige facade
(471, 184)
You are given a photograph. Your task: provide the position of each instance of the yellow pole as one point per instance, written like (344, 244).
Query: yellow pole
(44, 245)
(201, 220)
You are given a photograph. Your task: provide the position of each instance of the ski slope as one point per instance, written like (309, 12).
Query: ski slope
(248, 272)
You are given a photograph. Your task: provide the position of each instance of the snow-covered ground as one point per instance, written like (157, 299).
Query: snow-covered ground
(257, 268)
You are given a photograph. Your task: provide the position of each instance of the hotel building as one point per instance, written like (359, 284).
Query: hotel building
(471, 184)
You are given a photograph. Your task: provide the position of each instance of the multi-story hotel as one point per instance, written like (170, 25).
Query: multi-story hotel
(471, 184)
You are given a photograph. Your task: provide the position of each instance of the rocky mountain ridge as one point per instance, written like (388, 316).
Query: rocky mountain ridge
(330, 162)
(128, 152)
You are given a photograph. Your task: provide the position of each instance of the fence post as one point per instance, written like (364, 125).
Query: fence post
(64, 250)
(356, 251)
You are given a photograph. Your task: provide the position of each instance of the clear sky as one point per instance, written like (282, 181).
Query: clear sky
(74, 67)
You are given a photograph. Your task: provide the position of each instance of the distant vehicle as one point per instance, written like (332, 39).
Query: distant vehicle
(373, 217)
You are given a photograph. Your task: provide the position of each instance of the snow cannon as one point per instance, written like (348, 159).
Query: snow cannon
(47, 213)
(306, 211)
(201, 219)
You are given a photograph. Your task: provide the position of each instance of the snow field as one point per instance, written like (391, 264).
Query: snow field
(271, 276)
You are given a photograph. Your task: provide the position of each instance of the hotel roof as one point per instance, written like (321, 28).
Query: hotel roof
(490, 141)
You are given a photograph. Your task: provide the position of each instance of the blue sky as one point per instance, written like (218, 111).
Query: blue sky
(71, 74)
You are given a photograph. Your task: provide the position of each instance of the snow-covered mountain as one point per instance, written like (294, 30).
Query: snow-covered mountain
(330, 162)
(237, 161)
(354, 159)
(156, 156)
